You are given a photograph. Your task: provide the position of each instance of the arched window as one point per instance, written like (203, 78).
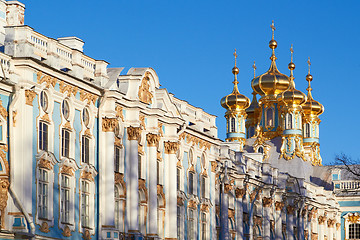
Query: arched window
(161, 215)
(43, 136)
(354, 231)
(119, 207)
(307, 130)
(142, 211)
(232, 129)
(269, 117)
(260, 150)
(289, 123)
(191, 182)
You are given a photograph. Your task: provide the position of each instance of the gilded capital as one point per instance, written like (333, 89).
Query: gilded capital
(152, 139)
(109, 124)
(331, 222)
(279, 205)
(240, 192)
(29, 97)
(267, 201)
(133, 133)
(4, 188)
(227, 188)
(322, 219)
(171, 147)
(290, 209)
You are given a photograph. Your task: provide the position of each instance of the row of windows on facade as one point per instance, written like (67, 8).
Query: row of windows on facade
(65, 198)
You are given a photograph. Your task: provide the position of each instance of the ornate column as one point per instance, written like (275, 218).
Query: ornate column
(338, 231)
(239, 193)
(106, 169)
(301, 225)
(170, 189)
(267, 202)
(152, 141)
(278, 220)
(330, 224)
(321, 220)
(133, 181)
(224, 211)
(290, 209)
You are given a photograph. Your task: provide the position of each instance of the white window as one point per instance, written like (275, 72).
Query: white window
(119, 208)
(43, 136)
(289, 123)
(203, 225)
(117, 160)
(354, 231)
(65, 199)
(178, 179)
(85, 149)
(232, 128)
(269, 117)
(191, 182)
(160, 219)
(65, 109)
(139, 166)
(43, 196)
(65, 143)
(307, 130)
(203, 186)
(191, 224)
(85, 203)
(86, 117)
(44, 102)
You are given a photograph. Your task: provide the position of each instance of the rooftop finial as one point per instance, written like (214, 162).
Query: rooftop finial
(309, 63)
(254, 67)
(309, 78)
(292, 52)
(291, 67)
(273, 29)
(235, 55)
(235, 69)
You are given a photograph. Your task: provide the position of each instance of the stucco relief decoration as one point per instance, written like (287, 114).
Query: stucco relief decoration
(119, 113)
(231, 214)
(3, 150)
(142, 186)
(44, 227)
(258, 221)
(213, 166)
(240, 192)
(180, 201)
(109, 124)
(195, 141)
(50, 81)
(117, 142)
(205, 208)
(322, 219)
(119, 179)
(3, 111)
(279, 205)
(87, 175)
(303, 212)
(67, 170)
(160, 191)
(290, 209)
(89, 97)
(254, 195)
(67, 88)
(338, 225)
(260, 142)
(29, 97)
(314, 236)
(142, 122)
(152, 139)
(331, 222)
(133, 133)
(267, 201)
(306, 234)
(14, 117)
(86, 235)
(4, 188)
(145, 95)
(171, 147)
(66, 232)
(44, 163)
(192, 204)
(227, 187)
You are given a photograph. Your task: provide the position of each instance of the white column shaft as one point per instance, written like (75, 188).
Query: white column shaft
(239, 219)
(278, 226)
(152, 191)
(171, 197)
(266, 223)
(290, 226)
(134, 186)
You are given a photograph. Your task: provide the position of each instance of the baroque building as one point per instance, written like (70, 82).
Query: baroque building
(91, 152)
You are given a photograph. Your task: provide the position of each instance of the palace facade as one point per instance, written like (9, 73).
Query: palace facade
(91, 152)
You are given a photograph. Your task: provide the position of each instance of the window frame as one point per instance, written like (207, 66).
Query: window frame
(65, 198)
(65, 142)
(43, 139)
(85, 203)
(43, 194)
(85, 149)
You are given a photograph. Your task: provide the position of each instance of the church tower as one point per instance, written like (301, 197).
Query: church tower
(268, 86)
(291, 111)
(253, 112)
(312, 110)
(235, 104)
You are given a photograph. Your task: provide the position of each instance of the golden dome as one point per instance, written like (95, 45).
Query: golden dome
(292, 96)
(273, 81)
(235, 100)
(311, 107)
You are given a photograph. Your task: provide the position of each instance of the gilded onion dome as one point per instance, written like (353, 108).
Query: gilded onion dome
(311, 107)
(254, 103)
(292, 96)
(235, 100)
(273, 81)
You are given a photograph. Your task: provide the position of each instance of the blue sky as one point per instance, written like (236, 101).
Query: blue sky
(190, 45)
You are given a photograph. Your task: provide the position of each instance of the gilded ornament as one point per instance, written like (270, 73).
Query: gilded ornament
(322, 219)
(192, 204)
(3, 111)
(119, 113)
(88, 133)
(50, 81)
(279, 205)
(152, 139)
(240, 192)
(231, 214)
(306, 234)
(217, 210)
(160, 191)
(119, 179)
(14, 117)
(86, 235)
(213, 166)
(160, 127)
(267, 201)
(303, 213)
(44, 227)
(142, 122)
(44, 163)
(314, 236)
(227, 188)
(133, 133)
(68, 88)
(254, 195)
(258, 221)
(159, 156)
(145, 95)
(171, 147)
(4, 188)
(109, 124)
(180, 201)
(353, 218)
(117, 142)
(290, 209)
(87, 175)
(142, 186)
(331, 222)
(88, 96)
(338, 225)
(29, 97)
(46, 118)
(67, 125)
(204, 207)
(67, 170)
(66, 232)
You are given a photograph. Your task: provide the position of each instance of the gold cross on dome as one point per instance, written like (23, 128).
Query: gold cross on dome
(235, 55)
(254, 67)
(273, 28)
(292, 52)
(309, 63)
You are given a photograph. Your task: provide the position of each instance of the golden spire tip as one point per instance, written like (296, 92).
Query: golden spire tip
(254, 67)
(273, 29)
(309, 63)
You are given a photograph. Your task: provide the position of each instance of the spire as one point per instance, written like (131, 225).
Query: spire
(273, 43)
(291, 67)
(254, 67)
(235, 71)
(309, 78)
